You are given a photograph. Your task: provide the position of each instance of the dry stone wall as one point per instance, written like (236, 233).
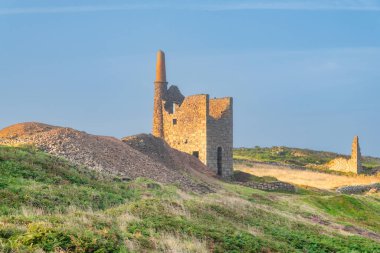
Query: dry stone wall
(358, 189)
(271, 186)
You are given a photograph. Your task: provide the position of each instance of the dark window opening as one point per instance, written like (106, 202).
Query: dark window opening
(196, 154)
(219, 161)
(174, 121)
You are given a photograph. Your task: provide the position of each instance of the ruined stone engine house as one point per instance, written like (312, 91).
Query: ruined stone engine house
(195, 124)
(353, 164)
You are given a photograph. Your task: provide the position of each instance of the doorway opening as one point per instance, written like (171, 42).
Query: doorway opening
(219, 160)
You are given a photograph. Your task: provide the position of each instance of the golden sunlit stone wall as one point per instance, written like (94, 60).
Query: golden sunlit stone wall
(185, 125)
(349, 165)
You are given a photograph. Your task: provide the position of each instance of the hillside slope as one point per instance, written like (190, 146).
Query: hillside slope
(160, 152)
(48, 204)
(296, 156)
(104, 154)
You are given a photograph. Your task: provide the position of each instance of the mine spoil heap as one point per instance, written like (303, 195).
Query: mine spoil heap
(160, 152)
(108, 154)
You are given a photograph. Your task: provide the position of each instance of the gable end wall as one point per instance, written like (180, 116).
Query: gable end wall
(220, 134)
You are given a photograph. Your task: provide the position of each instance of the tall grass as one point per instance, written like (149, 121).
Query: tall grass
(50, 205)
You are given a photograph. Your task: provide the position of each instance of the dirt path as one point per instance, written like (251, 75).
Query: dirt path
(305, 177)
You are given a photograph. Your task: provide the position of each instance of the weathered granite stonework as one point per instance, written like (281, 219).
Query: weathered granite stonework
(195, 124)
(358, 189)
(271, 186)
(349, 165)
(160, 87)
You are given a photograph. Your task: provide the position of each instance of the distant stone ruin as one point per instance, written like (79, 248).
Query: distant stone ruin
(197, 125)
(349, 165)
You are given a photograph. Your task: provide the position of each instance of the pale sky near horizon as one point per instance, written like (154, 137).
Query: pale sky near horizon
(302, 73)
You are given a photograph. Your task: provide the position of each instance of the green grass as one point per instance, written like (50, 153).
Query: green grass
(294, 156)
(35, 179)
(355, 209)
(50, 205)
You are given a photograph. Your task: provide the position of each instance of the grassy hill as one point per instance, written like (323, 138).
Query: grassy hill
(295, 156)
(50, 205)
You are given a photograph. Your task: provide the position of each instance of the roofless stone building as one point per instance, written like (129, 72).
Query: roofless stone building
(349, 165)
(195, 124)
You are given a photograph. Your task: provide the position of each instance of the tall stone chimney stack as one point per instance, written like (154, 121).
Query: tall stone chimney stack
(160, 87)
(356, 155)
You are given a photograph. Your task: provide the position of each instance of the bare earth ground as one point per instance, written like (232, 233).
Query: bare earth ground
(304, 177)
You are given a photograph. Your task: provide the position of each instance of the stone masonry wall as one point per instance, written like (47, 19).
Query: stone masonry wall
(271, 186)
(195, 124)
(356, 155)
(159, 91)
(173, 95)
(343, 165)
(185, 125)
(160, 88)
(358, 189)
(220, 134)
(349, 165)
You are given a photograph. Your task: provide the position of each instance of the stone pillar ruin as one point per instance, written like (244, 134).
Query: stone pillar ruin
(353, 164)
(160, 87)
(356, 155)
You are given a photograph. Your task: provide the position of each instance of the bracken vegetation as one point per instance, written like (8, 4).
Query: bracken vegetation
(49, 205)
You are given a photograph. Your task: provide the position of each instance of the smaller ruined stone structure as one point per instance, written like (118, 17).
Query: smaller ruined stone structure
(349, 165)
(195, 124)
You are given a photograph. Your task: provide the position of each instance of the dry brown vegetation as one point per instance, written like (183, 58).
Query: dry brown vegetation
(305, 177)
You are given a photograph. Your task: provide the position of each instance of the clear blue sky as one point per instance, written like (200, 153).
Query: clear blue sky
(302, 73)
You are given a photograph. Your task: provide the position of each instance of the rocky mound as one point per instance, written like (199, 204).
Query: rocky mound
(159, 151)
(106, 154)
(24, 129)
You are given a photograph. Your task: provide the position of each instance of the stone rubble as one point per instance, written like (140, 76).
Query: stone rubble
(358, 189)
(106, 154)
